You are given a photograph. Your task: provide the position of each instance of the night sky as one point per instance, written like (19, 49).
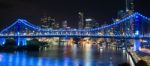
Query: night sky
(33, 10)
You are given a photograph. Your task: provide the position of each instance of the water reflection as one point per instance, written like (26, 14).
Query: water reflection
(68, 56)
(87, 55)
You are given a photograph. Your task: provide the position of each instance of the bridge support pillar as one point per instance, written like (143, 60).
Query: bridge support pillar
(137, 45)
(24, 41)
(21, 41)
(18, 41)
(2, 41)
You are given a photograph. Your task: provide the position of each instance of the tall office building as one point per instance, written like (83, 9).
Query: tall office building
(64, 24)
(49, 22)
(81, 20)
(55, 25)
(45, 21)
(124, 13)
(90, 23)
(121, 14)
(129, 6)
(129, 11)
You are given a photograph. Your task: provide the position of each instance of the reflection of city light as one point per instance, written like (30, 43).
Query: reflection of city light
(110, 63)
(88, 46)
(70, 41)
(39, 62)
(48, 64)
(74, 50)
(10, 60)
(24, 60)
(1, 58)
(88, 55)
(124, 51)
(101, 49)
(56, 63)
(66, 60)
(31, 62)
(17, 58)
(76, 62)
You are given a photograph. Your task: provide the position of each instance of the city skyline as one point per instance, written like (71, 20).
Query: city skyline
(33, 10)
(74, 32)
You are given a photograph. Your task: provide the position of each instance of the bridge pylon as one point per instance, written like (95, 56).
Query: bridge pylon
(18, 41)
(21, 41)
(137, 43)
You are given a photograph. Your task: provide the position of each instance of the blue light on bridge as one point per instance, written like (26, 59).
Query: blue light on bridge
(2, 41)
(136, 16)
(24, 41)
(18, 41)
(136, 33)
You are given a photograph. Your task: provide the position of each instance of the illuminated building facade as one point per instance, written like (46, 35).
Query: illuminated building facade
(49, 22)
(81, 20)
(64, 24)
(91, 23)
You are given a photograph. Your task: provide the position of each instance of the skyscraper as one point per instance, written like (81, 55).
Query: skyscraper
(81, 20)
(129, 11)
(91, 23)
(49, 22)
(88, 23)
(45, 21)
(57, 25)
(64, 24)
(54, 25)
(129, 6)
(124, 13)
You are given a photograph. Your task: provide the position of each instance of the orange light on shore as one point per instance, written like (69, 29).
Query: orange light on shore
(70, 41)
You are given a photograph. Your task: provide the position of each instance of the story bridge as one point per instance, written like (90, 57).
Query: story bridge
(134, 26)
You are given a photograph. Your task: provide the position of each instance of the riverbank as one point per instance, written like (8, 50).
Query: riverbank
(139, 55)
(144, 54)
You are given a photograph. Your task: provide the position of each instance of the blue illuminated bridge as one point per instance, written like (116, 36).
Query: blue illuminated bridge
(134, 26)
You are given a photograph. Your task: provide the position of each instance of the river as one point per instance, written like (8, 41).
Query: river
(65, 56)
